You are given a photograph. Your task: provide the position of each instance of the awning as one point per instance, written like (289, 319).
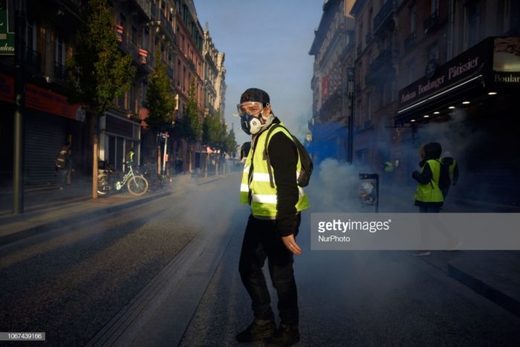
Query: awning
(492, 64)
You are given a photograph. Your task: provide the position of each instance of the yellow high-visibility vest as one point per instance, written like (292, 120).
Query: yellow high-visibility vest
(430, 192)
(263, 194)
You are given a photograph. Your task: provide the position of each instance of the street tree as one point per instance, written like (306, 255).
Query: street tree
(98, 71)
(159, 98)
(211, 135)
(216, 136)
(231, 143)
(160, 102)
(212, 131)
(190, 125)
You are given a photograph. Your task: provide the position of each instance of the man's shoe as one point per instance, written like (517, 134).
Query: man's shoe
(286, 335)
(256, 331)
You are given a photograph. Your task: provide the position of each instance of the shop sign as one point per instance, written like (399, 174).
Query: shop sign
(506, 61)
(459, 69)
(40, 99)
(6, 28)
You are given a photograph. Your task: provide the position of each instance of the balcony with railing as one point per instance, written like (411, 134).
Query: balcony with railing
(142, 57)
(167, 27)
(381, 67)
(384, 16)
(146, 7)
(131, 49)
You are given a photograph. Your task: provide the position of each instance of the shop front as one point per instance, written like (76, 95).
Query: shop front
(118, 135)
(49, 122)
(469, 105)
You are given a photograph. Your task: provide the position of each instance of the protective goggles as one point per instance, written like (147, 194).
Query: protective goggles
(250, 107)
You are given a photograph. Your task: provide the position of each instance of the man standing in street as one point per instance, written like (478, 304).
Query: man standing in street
(276, 202)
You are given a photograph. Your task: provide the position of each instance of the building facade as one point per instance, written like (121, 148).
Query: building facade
(436, 70)
(333, 51)
(167, 30)
(220, 85)
(49, 121)
(461, 91)
(209, 53)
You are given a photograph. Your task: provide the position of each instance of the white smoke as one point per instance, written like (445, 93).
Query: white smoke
(334, 187)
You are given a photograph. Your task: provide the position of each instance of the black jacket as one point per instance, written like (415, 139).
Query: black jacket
(283, 155)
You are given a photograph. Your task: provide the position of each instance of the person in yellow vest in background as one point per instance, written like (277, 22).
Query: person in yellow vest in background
(276, 202)
(130, 157)
(428, 195)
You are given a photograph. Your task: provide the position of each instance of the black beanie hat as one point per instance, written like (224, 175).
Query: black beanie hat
(432, 150)
(255, 94)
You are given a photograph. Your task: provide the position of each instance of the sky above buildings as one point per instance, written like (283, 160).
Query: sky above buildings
(267, 45)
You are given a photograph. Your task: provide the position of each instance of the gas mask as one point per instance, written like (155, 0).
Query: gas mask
(251, 119)
(250, 124)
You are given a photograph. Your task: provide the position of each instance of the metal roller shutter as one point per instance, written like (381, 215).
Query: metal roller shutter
(44, 136)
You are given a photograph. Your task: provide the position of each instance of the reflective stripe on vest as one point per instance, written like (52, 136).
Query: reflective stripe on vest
(430, 192)
(263, 195)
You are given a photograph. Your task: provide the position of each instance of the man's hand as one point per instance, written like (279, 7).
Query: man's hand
(290, 242)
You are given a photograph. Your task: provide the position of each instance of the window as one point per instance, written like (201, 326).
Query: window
(31, 36)
(60, 52)
(369, 20)
(132, 102)
(144, 88)
(411, 72)
(413, 19)
(433, 53)
(434, 7)
(472, 23)
(134, 35)
(122, 19)
(179, 76)
(504, 13)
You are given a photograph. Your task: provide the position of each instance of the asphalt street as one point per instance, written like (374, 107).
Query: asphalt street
(359, 299)
(166, 273)
(71, 280)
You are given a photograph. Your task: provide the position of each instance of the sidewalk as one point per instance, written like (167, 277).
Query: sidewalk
(48, 207)
(53, 212)
(492, 274)
(39, 197)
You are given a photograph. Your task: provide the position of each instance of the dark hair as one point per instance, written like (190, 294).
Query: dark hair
(255, 94)
(432, 150)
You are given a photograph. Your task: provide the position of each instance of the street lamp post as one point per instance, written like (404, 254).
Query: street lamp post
(350, 90)
(19, 58)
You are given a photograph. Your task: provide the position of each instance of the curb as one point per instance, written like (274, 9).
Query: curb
(503, 300)
(43, 226)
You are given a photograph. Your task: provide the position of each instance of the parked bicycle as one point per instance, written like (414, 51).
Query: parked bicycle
(156, 181)
(136, 184)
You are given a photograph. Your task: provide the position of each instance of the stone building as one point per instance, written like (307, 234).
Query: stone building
(333, 51)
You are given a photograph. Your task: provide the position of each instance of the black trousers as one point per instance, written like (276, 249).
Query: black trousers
(261, 241)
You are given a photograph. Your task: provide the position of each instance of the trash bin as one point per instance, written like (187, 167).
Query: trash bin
(369, 190)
